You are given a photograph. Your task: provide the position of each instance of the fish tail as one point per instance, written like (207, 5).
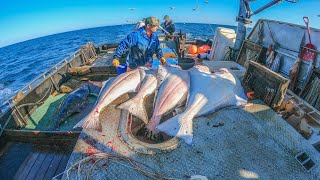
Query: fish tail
(136, 107)
(91, 121)
(153, 123)
(178, 126)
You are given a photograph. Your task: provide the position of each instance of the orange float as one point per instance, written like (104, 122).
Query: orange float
(206, 47)
(203, 49)
(193, 49)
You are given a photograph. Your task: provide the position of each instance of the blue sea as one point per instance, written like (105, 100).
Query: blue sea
(22, 62)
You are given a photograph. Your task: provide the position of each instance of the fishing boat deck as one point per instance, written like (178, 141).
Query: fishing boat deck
(39, 150)
(31, 161)
(104, 59)
(250, 142)
(43, 117)
(233, 143)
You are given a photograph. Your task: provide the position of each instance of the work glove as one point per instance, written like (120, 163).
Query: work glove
(115, 62)
(163, 61)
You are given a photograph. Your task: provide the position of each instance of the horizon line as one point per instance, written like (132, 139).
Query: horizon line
(99, 27)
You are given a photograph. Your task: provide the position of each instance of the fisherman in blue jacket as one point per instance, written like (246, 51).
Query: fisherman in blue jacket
(143, 43)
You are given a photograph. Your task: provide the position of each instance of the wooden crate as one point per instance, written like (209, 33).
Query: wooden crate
(268, 86)
(249, 51)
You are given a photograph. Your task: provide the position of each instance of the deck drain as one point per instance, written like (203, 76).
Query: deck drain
(304, 159)
(317, 146)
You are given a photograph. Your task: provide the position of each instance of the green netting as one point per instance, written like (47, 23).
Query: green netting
(43, 117)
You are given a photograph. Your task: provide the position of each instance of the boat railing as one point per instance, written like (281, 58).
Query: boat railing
(41, 77)
(88, 54)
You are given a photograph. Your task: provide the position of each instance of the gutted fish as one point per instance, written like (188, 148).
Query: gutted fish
(72, 104)
(136, 105)
(202, 68)
(163, 72)
(124, 83)
(172, 93)
(208, 93)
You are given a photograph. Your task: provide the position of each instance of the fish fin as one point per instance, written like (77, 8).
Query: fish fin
(136, 107)
(79, 124)
(105, 82)
(85, 104)
(91, 121)
(57, 124)
(241, 100)
(179, 126)
(94, 94)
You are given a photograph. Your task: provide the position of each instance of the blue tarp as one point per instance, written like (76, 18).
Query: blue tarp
(172, 61)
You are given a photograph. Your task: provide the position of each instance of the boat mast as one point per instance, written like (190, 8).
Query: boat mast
(244, 18)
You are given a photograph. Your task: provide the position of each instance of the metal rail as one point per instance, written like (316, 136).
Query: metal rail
(11, 103)
(43, 76)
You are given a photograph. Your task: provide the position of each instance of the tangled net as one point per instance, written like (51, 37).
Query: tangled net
(95, 158)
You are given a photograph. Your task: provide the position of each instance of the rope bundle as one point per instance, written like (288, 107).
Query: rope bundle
(95, 158)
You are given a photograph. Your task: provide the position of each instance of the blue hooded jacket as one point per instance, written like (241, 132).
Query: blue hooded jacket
(141, 47)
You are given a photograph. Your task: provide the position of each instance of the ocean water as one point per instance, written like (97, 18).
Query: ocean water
(22, 62)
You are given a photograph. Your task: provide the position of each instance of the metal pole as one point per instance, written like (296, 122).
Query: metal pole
(163, 29)
(266, 6)
(241, 35)
(243, 19)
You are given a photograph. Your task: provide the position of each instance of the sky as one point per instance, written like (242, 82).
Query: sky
(24, 20)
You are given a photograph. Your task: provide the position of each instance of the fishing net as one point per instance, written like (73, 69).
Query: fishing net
(231, 144)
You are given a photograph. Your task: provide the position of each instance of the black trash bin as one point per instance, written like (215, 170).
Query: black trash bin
(186, 63)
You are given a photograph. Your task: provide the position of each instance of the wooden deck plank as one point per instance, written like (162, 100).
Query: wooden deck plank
(62, 165)
(45, 166)
(33, 172)
(42, 137)
(5, 147)
(53, 166)
(28, 166)
(12, 158)
(22, 166)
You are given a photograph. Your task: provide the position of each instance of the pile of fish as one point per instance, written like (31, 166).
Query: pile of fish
(198, 90)
(74, 102)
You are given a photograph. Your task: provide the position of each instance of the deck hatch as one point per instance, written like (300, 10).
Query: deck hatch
(317, 146)
(304, 159)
